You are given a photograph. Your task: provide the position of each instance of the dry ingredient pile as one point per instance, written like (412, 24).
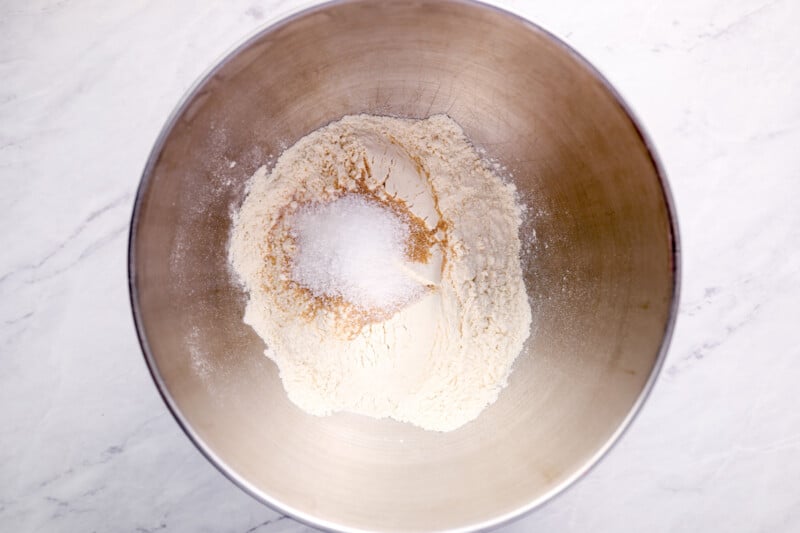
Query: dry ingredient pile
(382, 261)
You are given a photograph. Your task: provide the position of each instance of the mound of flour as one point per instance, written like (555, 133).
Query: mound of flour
(435, 348)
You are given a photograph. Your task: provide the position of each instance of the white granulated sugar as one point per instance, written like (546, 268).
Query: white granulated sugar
(316, 243)
(352, 248)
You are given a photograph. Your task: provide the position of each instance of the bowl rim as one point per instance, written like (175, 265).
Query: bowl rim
(310, 7)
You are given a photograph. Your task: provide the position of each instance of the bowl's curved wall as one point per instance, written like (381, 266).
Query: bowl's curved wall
(600, 271)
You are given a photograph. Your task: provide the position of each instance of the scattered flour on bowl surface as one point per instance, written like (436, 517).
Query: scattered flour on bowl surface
(382, 261)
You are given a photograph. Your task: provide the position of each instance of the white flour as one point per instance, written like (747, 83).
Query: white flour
(438, 361)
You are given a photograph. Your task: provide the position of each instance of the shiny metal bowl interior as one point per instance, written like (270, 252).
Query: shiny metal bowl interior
(601, 265)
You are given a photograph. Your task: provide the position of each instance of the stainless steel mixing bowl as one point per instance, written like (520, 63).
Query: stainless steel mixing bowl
(601, 268)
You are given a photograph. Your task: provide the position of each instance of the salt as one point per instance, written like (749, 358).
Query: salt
(353, 248)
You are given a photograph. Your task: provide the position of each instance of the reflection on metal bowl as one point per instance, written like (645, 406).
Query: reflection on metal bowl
(601, 267)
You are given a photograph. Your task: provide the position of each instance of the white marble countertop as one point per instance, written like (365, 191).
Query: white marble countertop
(86, 444)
